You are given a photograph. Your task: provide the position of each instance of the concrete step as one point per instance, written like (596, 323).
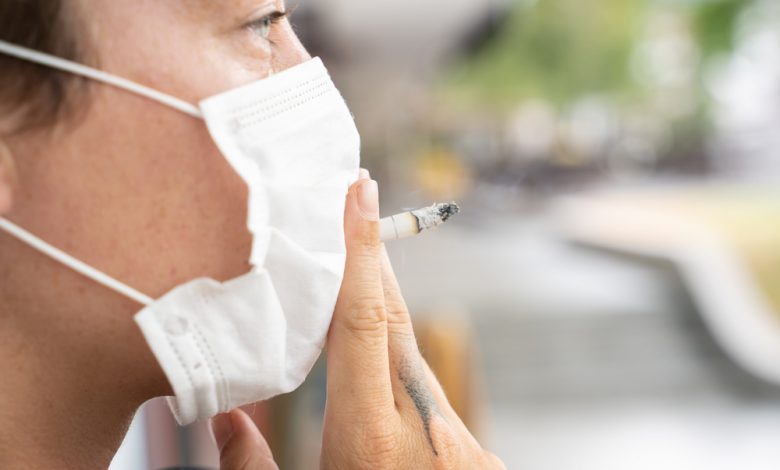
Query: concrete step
(536, 358)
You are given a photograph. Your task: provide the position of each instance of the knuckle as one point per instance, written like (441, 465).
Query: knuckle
(397, 312)
(367, 317)
(452, 450)
(449, 452)
(367, 238)
(371, 416)
(373, 446)
(379, 449)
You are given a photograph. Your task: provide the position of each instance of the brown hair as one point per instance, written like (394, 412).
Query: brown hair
(33, 95)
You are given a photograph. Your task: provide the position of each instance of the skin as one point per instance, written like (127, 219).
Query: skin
(139, 191)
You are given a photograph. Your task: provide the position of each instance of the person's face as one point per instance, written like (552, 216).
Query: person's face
(134, 188)
(144, 194)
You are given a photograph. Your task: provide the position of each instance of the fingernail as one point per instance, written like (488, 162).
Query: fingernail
(364, 174)
(368, 199)
(221, 429)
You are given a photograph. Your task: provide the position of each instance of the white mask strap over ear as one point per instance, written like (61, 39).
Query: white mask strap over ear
(66, 259)
(119, 82)
(104, 77)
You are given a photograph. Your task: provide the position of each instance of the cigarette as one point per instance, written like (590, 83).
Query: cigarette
(409, 224)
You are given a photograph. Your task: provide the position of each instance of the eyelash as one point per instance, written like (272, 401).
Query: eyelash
(262, 26)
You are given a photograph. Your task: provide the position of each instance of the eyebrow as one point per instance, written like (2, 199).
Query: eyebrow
(234, 9)
(251, 5)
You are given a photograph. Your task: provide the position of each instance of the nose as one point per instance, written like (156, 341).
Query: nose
(290, 51)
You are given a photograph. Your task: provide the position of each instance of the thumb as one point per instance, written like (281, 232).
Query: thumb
(241, 446)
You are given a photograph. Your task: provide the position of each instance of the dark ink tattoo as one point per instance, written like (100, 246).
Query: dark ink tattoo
(413, 378)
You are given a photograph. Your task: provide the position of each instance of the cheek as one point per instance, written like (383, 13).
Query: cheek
(7, 178)
(5, 197)
(181, 207)
(209, 219)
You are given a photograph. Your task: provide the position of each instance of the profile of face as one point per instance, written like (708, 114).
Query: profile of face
(129, 186)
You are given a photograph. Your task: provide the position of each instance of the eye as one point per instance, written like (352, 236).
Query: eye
(262, 26)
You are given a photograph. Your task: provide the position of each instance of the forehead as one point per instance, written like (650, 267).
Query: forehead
(104, 17)
(211, 8)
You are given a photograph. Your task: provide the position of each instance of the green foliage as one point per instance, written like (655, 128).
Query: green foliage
(559, 50)
(713, 23)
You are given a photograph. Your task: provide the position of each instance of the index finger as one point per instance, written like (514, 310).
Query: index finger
(358, 364)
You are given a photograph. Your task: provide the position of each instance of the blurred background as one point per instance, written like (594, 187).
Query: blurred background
(609, 297)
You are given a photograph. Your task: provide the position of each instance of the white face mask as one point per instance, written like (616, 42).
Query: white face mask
(222, 345)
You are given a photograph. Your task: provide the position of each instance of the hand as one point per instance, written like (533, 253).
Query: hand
(384, 407)
(241, 446)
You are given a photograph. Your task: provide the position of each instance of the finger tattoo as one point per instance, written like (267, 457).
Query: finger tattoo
(412, 376)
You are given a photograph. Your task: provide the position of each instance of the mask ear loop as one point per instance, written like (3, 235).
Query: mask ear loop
(79, 69)
(71, 262)
(24, 236)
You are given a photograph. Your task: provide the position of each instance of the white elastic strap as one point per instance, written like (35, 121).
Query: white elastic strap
(79, 69)
(71, 262)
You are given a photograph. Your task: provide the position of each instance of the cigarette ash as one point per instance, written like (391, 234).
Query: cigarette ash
(435, 215)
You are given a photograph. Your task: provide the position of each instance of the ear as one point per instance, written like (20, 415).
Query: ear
(7, 178)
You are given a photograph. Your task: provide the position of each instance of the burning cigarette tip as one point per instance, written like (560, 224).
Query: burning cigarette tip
(409, 224)
(435, 215)
(447, 210)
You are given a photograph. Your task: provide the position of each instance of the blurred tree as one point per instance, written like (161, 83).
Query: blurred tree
(556, 50)
(714, 24)
(559, 50)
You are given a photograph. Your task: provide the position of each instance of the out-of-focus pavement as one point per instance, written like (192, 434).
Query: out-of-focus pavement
(590, 360)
